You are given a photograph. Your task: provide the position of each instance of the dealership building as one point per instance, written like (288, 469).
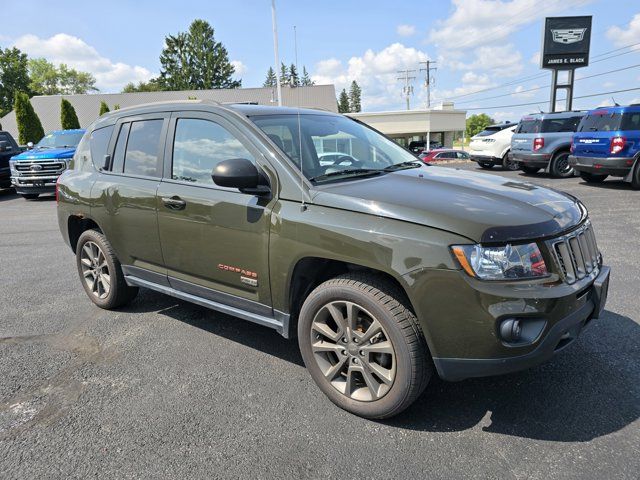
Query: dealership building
(440, 124)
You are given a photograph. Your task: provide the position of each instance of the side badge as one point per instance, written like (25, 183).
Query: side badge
(249, 281)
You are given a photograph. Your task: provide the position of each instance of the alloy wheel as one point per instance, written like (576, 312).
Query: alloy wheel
(353, 351)
(95, 270)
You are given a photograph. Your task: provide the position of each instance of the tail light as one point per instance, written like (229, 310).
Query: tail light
(538, 143)
(617, 144)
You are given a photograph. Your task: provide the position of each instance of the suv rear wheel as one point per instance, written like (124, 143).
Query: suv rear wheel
(100, 272)
(592, 177)
(509, 164)
(363, 346)
(559, 166)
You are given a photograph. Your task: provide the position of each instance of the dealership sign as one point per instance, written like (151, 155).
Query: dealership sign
(565, 43)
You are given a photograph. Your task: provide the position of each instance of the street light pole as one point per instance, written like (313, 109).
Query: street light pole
(275, 50)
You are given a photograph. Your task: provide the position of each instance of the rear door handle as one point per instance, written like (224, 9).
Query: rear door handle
(174, 203)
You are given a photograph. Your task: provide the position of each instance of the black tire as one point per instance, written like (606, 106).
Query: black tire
(509, 164)
(486, 166)
(412, 364)
(119, 293)
(30, 196)
(592, 177)
(559, 166)
(529, 170)
(635, 177)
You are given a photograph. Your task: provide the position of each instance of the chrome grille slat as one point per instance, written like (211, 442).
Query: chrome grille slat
(47, 167)
(576, 253)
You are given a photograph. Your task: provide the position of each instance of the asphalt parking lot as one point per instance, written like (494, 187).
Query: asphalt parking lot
(164, 388)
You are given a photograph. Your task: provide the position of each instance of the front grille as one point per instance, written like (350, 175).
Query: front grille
(34, 169)
(577, 253)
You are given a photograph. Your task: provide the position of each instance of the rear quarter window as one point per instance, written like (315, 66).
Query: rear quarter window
(99, 144)
(630, 121)
(529, 126)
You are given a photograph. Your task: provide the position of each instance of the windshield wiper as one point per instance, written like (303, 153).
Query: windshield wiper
(356, 172)
(402, 166)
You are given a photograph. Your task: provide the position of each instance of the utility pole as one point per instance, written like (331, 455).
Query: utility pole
(407, 90)
(428, 79)
(275, 50)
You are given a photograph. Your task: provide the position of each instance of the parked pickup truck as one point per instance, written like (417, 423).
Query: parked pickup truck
(8, 148)
(543, 140)
(608, 143)
(386, 269)
(35, 171)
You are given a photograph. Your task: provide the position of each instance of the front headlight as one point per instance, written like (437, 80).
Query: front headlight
(510, 262)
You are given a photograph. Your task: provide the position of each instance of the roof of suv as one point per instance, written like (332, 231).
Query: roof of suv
(616, 109)
(543, 115)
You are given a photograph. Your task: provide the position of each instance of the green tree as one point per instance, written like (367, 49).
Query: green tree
(476, 123)
(29, 126)
(193, 60)
(68, 117)
(271, 80)
(343, 102)
(355, 93)
(14, 77)
(306, 79)
(47, 79)
(284, 75)
(104, 108)
(152, 85)
(116, 106)
(294, 80)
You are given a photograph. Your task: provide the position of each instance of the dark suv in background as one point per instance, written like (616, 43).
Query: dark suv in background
(608, 143)
(8, 148)
(386, 269)
(543, 140)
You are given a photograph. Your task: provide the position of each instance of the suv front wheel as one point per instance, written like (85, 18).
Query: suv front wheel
(100, 272)
(363, 346)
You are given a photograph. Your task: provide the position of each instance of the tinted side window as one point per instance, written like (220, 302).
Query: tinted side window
(199, 145)
(118, 155)
(630, 121)
(529, 126)
(142, 155)
(5, 138)
(99, 144)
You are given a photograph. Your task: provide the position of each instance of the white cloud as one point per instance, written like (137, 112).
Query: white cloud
(609, 84)
(406, 30)
(475, 23)
(535, 58)
(520, 92)
(626, 36)
(504, 60)
(471, 83)
(375, 72)
(73, 51)
(240, 68)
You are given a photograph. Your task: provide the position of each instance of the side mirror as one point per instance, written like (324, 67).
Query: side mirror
(240, 173)
(29, 145)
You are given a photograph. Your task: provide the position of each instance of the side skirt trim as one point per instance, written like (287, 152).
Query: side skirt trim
(281, 325)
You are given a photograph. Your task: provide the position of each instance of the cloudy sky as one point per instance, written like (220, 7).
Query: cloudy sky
(477, 44)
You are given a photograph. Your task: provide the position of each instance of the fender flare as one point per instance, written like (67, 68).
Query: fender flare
(566, 147)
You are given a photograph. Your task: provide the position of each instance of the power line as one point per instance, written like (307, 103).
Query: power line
(544, 74)
(538, 103)
(547, 86)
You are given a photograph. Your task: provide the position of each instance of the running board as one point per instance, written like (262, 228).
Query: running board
(282, 327)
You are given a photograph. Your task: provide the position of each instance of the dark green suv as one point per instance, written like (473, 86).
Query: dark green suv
(385, 269)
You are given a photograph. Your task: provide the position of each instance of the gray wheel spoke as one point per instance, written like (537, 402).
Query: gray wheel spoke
(374, 328)
(323, 346)
(85, 261)
(333, 371)
(371, 382)
(323, 329)
(348, 385)
(106, 281)
(87, 251)
(352, 315)
(385, 374)
(337, 316)
(380, 347)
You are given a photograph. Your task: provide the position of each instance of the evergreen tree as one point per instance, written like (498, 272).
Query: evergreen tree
(284, 75)
(29, 126)
(14, 77)
(193, 60)
(116, 106)
(343, 102)
(306, 79)
(104, 108)
(355, 93)
(271, 79)
(294, 81)
(68, 117)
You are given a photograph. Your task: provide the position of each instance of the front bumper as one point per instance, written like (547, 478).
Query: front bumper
(531, 159)
(39, 184)
(616, 166)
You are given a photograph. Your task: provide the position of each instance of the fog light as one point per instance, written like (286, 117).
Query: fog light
(510, 330)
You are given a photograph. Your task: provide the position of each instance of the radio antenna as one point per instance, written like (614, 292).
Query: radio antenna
(303, 207)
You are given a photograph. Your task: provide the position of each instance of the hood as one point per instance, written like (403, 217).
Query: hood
(484, 208)
(45, 153)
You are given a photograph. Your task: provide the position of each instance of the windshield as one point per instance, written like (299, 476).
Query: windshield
(333, 147)
(58, 140)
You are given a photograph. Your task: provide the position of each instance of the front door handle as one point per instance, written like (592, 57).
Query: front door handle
(174, 203)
